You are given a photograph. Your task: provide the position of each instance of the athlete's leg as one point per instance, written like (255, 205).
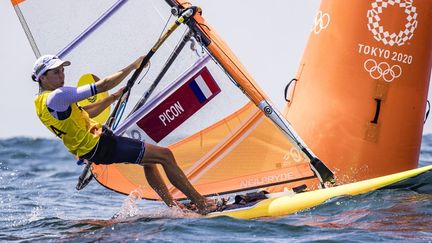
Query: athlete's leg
(155, 180)
(160, 155)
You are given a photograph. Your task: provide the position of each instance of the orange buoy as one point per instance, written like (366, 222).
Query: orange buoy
(360, 97)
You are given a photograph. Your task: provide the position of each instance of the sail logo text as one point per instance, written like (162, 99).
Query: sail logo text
(266, 180)
(384, 53)
(171, 113)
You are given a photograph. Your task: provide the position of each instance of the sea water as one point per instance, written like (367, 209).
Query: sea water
(38, 202)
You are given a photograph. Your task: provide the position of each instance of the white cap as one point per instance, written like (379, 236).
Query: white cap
(45, 63)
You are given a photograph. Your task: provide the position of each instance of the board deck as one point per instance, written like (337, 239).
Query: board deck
(284, 205)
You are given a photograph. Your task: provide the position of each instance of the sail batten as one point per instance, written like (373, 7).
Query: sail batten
(226, 146)
(91, 28)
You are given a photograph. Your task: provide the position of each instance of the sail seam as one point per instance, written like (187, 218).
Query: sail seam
(221, 146)
(227, 150)
(218, 146)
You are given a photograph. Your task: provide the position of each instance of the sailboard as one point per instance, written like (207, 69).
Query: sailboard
(194, 97)
(279, 205)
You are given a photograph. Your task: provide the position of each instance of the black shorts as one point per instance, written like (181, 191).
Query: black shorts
(115, 149)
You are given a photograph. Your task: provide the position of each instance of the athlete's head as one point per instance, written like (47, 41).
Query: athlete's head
(45, 64)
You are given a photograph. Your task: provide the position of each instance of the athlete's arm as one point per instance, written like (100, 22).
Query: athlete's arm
(59, 101)
(96, 108)
(113, 80)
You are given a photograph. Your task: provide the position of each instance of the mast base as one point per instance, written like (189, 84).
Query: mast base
(322, 171)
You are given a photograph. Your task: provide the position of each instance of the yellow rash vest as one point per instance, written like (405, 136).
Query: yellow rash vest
(79, 132)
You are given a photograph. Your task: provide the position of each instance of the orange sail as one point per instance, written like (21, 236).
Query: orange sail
(243, 151)
(251, 154)
(360, 98)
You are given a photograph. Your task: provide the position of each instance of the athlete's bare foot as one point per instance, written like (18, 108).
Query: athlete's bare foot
(178, 205)
(213, 205)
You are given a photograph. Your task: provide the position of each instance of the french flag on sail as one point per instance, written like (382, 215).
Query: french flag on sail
(177, 107)
(204, 87)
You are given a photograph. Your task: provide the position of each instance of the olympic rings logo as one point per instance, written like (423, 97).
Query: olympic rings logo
(295, 155)
(322, 21)
(382, 70)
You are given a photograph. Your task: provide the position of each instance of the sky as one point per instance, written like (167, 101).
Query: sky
(257, 33)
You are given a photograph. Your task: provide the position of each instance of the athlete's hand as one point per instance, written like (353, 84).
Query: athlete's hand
(137, 63)
(118, 93)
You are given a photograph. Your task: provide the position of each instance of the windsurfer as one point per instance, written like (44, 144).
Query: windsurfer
(56, 107)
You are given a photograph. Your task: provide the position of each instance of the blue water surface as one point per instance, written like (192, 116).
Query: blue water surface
(38, 202)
